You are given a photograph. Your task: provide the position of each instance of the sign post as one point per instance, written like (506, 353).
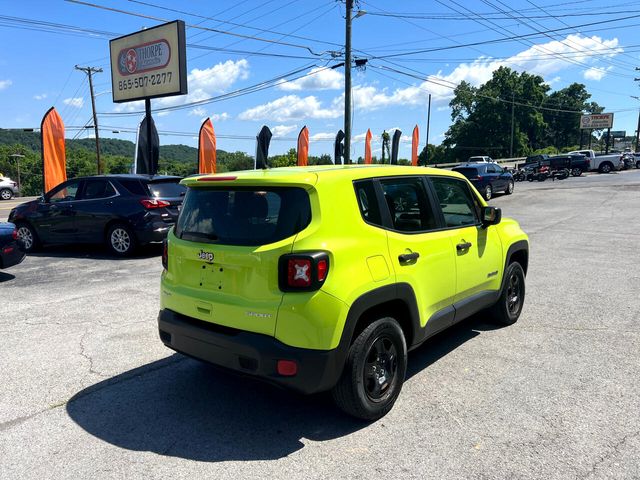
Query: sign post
(149, 64)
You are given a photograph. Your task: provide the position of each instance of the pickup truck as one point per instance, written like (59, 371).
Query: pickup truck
(601, 163)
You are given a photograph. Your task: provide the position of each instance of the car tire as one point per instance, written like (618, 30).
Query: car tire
(576, 172)
(120, 240)
(29, 237)
(374, 371)
(637, 164)
(508, 308)
(487, 193)
(6, 194)
(606, 167)
(510, 187)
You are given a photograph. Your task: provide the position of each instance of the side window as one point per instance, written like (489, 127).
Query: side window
(367, 201)
(66, 193)
(459, 206)
(491, 169)
(408, 204)
(96, 189)
(498, 168)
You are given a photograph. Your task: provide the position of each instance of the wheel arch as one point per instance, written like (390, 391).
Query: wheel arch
(117, 221)
(518, 252)
(396, 300)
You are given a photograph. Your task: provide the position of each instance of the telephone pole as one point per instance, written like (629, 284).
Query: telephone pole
(513, 107)
(89, 71)
(347, 85)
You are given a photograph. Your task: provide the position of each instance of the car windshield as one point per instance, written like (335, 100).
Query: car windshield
(167, 189)
(243, 216)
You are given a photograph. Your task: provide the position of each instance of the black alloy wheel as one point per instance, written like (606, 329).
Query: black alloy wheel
(508, 308)
(576, 172)
(374, 371)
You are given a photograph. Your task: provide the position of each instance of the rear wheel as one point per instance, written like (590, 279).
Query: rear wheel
(29, 237)
(605, 167)
(487, 192)
(120, 240)
(576, 172)
(507, 309)
(6, 194)
(374, 371)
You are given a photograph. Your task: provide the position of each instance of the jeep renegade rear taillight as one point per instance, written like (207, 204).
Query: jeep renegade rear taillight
(165, 255)
(300, 272)
(150, 204)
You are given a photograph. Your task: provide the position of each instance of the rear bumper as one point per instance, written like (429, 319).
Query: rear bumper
(153, 232)
(250, 353)
(11, 255)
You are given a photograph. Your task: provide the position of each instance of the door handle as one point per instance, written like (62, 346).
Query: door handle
(463, 246)
(406, 258)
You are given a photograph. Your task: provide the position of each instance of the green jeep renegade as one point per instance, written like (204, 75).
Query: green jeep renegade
(322, 278)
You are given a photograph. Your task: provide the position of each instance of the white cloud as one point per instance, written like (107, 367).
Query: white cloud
(322, 136)
(324, 79)
(40, 97)
(76, 102)
(282, 130)
(203, 84)
(220, 117)
(5, 84)
(543, 59)
(290, 107)
(198, 112)
(596, 73)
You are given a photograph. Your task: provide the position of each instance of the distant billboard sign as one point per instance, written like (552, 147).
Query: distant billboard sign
(150, 63)
(596, 121)
(618, 133)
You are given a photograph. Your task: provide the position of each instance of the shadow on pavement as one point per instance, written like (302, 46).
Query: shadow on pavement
(5, 277)
(183, 408)
(94, 252)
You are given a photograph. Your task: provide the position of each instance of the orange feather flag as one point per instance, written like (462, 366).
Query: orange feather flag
(303, 147)
(367, 148)
(414, 146)
(207, 148)
(54, 161)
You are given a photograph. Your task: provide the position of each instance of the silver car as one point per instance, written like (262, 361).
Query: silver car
(8, 188)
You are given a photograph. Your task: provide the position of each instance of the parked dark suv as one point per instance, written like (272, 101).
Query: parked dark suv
(488, 178)
(122, 211)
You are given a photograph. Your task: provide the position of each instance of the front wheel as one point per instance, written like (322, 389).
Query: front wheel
(6, 194)
(576, 172)
(509, 189)
(28, 236)
(374, 371)
(507, 309)
(121, 240)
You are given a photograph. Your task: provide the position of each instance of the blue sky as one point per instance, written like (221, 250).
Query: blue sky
(37, 63)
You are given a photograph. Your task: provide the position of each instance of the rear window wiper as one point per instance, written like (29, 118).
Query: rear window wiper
(208, 236)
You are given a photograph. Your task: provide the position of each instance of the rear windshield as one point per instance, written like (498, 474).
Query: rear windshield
(467, 172)
(243, 216)
(167, 189)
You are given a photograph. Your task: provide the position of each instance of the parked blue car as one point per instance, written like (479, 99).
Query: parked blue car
(11, 247)
(488, 178)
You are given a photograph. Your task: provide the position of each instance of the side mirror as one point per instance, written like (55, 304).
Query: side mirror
(491, 216)
(42, 199)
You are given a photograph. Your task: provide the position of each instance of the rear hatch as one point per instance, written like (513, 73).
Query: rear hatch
(168, 190)
(223, 254)
(470, 172)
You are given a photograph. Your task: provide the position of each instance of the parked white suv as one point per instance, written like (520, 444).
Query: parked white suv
(480, 159)
(8, 188)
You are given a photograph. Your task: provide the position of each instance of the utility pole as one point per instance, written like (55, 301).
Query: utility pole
(513, 107)
(89, 71)
(426, 152)
(347, 85)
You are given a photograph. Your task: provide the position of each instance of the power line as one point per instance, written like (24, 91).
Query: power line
(225, 32)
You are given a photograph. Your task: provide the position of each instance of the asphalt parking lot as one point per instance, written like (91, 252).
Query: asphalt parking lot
(87, 390)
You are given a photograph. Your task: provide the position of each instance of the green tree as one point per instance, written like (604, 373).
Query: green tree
(563, 127)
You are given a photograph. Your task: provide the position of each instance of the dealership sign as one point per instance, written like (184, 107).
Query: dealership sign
(596, 121)
(150, 63)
